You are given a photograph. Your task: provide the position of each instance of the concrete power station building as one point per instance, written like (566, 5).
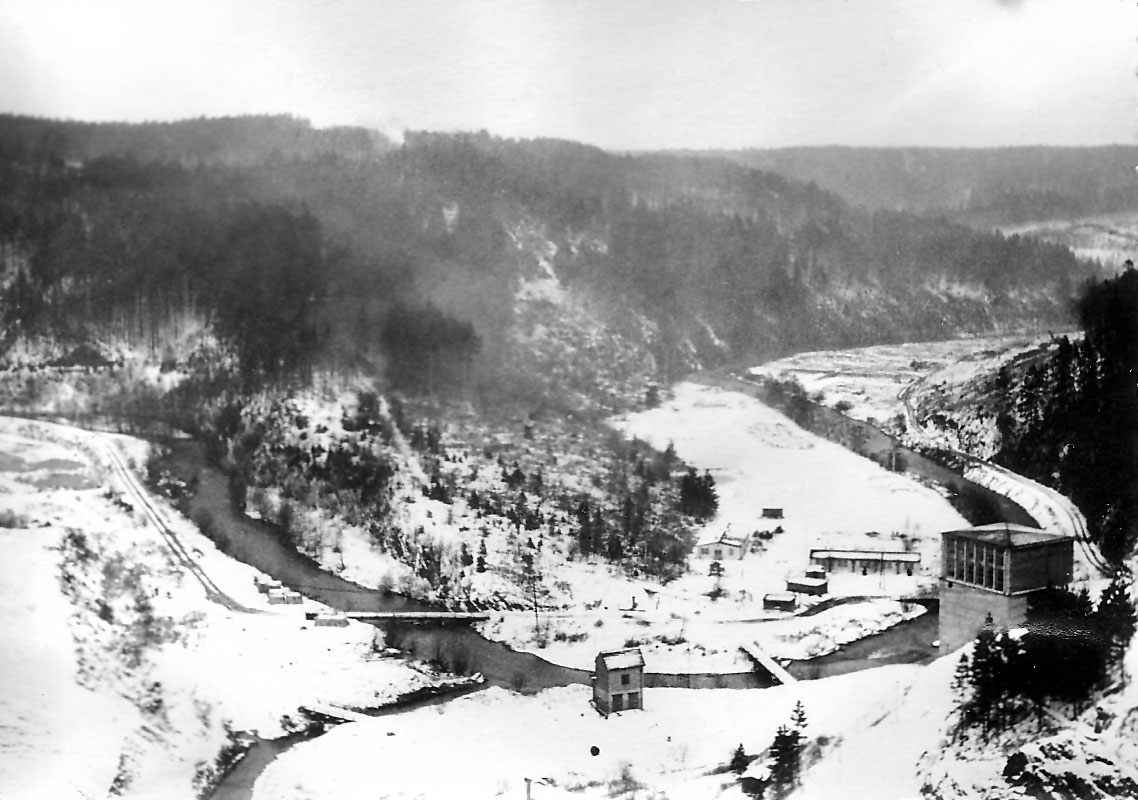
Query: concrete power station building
(994, 569)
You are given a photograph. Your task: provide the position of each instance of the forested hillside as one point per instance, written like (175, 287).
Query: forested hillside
(402, 355)
(996, 186)
(295, 246)
(1072, 421)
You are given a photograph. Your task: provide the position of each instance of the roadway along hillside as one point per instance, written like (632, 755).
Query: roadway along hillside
(1050, 508)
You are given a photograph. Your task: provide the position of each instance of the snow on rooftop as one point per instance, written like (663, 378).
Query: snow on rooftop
(1007, 534)
(622, 659)
(866, 555)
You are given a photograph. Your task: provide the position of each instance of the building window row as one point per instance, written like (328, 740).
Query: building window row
(975, 563)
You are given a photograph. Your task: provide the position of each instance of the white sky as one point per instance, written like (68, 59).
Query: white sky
(618, 73)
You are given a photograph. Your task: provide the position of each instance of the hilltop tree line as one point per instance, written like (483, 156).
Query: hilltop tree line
(1071, 422)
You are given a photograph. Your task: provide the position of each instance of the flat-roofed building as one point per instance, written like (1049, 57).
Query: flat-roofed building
(804, 585)
(994, 569)
(780, 601)
(866, 561)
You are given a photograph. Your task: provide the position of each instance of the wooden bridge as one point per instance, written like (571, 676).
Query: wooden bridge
(417, 616)
(337, 713)
(773, 667)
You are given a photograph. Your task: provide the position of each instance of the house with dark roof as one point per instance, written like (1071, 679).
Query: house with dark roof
(618, 680)
(994, 569)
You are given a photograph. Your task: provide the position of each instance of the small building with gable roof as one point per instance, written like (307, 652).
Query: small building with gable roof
(618, 680)
(724, 546)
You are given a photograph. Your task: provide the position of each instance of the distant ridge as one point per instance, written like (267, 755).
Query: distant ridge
(999, 185)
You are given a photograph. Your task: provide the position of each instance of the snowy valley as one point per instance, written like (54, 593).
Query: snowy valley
(350, 484)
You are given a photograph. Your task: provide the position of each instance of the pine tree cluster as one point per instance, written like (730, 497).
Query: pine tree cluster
(1071, 422)
(1069, 648)
(698, 497)
(786, 753)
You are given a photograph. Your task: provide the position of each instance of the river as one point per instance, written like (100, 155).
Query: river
(456, 647)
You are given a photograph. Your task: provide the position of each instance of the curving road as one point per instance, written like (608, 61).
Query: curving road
(1061, 512)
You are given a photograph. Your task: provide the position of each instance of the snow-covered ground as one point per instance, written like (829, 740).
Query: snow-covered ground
(869, 379)
(830, 497)
(871, 727)
(701, 642)
(883, 734)
(117, 668)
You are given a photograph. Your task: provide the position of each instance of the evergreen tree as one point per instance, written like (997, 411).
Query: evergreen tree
(480, 563)
(614, 549)
(584, 529)
(798, 718)
(1115, 613)
(785, 760)
(961, 681)
(983, 671)
(739, 760)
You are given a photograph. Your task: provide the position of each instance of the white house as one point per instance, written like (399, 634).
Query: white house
(724, 546)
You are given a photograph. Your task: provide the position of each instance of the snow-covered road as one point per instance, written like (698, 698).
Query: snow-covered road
(1052, 510)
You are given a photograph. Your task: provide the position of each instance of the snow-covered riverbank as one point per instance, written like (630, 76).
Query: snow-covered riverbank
(118, 670)
(488, 744)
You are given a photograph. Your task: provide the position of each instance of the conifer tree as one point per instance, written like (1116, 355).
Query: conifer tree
(784, 760)
(961, 684)
(983, 671)
(739, 760)
(798, 717)
(480, 564)
(1115, 613)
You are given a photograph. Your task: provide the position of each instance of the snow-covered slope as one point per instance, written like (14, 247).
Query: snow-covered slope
(120, 674)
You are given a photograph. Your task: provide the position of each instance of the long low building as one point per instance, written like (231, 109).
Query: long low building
(866, 561)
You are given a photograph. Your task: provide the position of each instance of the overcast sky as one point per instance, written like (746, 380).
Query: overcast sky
(623, 74)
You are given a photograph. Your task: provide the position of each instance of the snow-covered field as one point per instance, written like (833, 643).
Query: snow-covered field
(870, 379)
(830, 497)
(118, 671)
(871, 727)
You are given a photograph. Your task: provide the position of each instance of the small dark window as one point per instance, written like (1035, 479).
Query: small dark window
(625, 679)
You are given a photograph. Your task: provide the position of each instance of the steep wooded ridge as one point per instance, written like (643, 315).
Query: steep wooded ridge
(297, 246)
(996, 186)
